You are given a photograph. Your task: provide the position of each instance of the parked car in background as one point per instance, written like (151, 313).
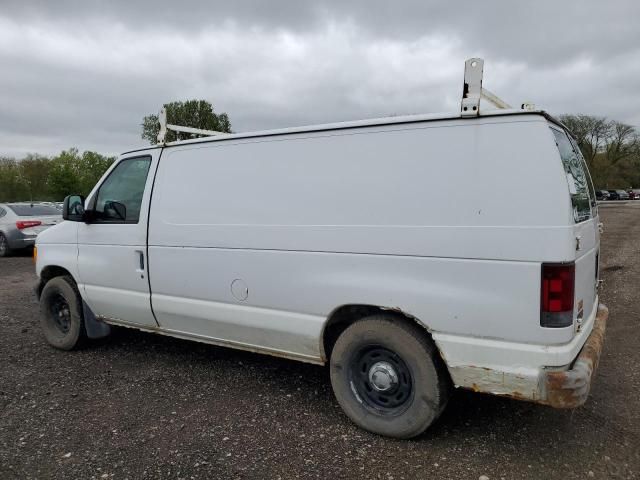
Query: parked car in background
(634, 194)
(20, 223)
(613, 195)
(602, 195)
(622, 195)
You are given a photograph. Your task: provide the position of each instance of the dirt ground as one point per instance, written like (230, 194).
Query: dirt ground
(145, 406)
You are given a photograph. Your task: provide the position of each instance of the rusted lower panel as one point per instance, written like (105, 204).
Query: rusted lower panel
(570, 388)
(510, 384)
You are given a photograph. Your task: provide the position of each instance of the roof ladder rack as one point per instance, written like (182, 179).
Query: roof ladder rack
(473, 91)
(164, 126)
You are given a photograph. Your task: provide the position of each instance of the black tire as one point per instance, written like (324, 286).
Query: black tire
(61, 315)
(384, 351)
(5, 250)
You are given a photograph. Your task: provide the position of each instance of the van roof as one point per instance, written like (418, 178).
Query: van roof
(352, 124)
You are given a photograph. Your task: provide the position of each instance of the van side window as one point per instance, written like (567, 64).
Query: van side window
(577, 179)
(120, 196)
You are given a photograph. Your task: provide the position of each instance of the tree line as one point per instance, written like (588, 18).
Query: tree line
(41, 178)
(611, 150)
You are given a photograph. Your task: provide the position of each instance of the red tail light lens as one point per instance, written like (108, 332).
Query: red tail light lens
(557, 292)
(27, 223)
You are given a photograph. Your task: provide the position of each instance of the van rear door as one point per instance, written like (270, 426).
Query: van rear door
(585, 226)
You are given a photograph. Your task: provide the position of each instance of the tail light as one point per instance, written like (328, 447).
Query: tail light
(27, 223)
(557, 293)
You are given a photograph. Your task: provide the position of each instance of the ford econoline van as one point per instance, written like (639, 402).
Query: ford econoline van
(341, 245)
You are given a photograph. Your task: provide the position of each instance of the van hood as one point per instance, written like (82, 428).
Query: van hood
(64, 232)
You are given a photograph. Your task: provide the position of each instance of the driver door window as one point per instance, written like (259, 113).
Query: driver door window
(120, 196)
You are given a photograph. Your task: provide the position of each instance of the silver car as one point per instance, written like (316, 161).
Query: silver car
(20, 223)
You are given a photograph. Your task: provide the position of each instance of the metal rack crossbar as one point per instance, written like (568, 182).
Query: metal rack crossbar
(164, 127)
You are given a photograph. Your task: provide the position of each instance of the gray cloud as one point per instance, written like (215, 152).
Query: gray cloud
(85, 73)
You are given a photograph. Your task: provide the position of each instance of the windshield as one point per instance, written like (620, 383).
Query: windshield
(33, 210)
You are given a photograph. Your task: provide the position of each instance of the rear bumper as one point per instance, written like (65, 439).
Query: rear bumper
(23, 242)
(570, 388)
(17, 239)
(556, 375)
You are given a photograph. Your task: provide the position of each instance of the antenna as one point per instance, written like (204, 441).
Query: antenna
(164, 126)
(473, 91)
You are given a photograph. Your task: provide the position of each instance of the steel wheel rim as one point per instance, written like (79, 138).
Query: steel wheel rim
(381, 380)
(60, 313)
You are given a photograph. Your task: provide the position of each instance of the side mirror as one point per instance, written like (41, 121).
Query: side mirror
(115, 210)
(73, 208)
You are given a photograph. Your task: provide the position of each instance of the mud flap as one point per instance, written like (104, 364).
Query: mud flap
(95, 329)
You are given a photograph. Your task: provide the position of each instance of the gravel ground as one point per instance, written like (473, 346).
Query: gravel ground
(145, 406)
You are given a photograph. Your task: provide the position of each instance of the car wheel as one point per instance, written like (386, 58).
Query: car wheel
(61, 313)
(5, 251)
(388, 376)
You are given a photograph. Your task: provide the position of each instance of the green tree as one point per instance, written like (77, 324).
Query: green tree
(63, 176)
(91, 167)
(192, 113)
(590, 132)
(35, 173)
(37, 178)
(11, 188)
(72, 173)
(611, 149)
(24, 180)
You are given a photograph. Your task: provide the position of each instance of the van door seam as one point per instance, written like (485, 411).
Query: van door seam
(146, 247)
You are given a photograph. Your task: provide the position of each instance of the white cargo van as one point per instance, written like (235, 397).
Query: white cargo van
(411, 254)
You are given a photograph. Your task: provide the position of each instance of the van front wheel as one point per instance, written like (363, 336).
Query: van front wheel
(61, 313)
(388, 377)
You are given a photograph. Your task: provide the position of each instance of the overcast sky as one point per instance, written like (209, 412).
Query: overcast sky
(85, 73)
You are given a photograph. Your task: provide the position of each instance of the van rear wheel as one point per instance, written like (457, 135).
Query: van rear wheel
(388, 377)
(61, 313)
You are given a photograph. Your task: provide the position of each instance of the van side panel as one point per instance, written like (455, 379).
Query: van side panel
(446, 221)
(290, 294)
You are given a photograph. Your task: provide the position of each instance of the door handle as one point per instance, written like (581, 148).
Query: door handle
(140, 259)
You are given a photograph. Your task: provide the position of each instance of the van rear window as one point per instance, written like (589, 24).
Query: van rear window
(575, 170)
